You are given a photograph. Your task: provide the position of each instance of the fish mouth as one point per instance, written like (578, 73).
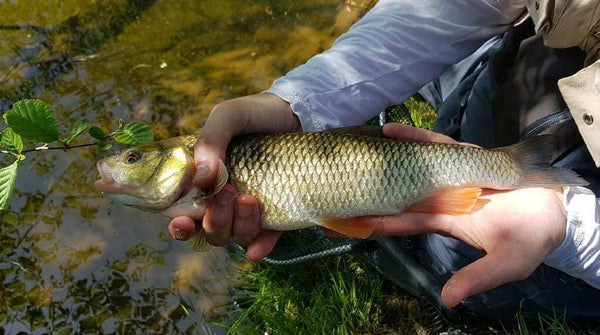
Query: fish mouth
(106, 184)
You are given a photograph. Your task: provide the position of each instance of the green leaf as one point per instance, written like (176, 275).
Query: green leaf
(79, 129)
(11, 141)
(32, 119)
(97, 133)
(104, 145)
(8, 175)
(134, 133)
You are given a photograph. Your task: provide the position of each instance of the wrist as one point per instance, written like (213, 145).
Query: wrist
(283, 108)
(560, 232)
(257, 113)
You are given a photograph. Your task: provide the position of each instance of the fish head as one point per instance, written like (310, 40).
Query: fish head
(149, 177)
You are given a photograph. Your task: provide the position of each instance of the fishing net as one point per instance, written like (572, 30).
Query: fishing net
(396, 114)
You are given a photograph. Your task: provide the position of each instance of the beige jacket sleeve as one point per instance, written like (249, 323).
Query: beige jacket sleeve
(582, 94)
(570, 23)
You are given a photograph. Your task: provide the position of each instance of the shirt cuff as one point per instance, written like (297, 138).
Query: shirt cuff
(286, 91)
(579, 254)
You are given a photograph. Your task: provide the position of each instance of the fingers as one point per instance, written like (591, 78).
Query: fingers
(218, 219)
(182, 228)
(405, 132)
(246, 223)
(262, 245)
(410, 223)
(482, 275)
(229, 215)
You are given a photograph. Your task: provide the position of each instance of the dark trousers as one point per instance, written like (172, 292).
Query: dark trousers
(494, 98)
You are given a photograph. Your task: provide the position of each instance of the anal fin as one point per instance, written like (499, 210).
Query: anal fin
(453, 200)
(355, 227)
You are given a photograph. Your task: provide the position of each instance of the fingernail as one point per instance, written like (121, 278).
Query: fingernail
(243, 210)
(182, 235)
(202, 170)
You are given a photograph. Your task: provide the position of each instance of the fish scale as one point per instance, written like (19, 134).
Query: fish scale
(301, 179)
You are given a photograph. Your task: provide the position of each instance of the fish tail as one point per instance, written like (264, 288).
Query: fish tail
(534, 156)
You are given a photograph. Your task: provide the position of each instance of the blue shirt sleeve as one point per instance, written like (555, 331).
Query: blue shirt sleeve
(395, 49)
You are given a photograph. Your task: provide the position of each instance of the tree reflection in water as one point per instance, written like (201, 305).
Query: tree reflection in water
(71, 261)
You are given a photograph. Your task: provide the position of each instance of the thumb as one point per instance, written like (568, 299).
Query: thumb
(208, 152)
(212, 144)
(482, 275)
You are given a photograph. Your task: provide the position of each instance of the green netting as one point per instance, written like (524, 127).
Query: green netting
(396, 114)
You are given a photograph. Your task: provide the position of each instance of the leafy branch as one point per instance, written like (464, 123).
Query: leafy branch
(33, 121)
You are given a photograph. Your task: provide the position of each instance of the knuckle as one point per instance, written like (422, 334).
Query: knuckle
(245, 231)
(216, 221)
(217, 226)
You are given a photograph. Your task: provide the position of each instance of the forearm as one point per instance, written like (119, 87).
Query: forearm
(388, 55)
(579, 254)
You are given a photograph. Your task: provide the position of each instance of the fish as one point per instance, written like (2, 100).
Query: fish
(330, 178)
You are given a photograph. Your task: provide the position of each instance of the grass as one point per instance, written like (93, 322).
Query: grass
(339, 295)
(421, 112)
(551, 325)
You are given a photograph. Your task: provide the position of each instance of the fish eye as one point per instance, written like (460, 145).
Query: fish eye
(132, 157)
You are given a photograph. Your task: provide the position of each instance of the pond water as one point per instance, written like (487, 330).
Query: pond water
(71, 261)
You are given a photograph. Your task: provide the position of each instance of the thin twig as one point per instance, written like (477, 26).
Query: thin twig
(42, 148)
(9, 153)
(63, 148)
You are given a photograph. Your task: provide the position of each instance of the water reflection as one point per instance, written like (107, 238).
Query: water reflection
(71, 261)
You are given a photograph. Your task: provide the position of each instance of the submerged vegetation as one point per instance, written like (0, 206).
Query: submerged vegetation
(71, 262)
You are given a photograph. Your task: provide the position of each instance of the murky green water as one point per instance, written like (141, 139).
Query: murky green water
(71, 261)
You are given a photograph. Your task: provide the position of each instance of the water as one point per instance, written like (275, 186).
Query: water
(71, 261)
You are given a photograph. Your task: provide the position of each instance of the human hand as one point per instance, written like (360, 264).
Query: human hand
(229, 214)
(517, 230)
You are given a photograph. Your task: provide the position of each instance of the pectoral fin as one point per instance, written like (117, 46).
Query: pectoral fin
(222, 178)
(453, 200)
(356, 227)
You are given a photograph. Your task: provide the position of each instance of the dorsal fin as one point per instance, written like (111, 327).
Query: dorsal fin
(185, 140)
(370, 131)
